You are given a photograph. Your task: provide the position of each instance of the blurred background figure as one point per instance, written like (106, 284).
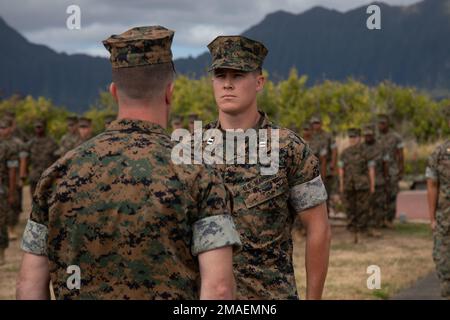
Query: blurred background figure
(85, 129)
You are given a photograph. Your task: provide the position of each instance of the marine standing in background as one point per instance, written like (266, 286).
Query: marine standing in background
(374, 151)
(393, 147)
(41, 153)
(71, 139)
(17, 147)
(356, 184)
(8, 169)
(323, 138)
(85, 129)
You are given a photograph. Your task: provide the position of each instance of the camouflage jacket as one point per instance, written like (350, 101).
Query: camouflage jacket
(355, 163)
(8, 159)
(68, 142)
(41, 155)
(375, 153)
(264, 210)
(391, 142)
(131, 220)
(438, 169)
(324, 143)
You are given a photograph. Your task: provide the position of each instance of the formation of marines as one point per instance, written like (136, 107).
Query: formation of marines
(27, 158)
(137, 226)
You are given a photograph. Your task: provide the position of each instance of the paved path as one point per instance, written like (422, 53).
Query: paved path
(426, 288)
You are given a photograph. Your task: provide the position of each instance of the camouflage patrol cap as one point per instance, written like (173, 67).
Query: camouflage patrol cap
(306, 126)
(5, 122)
(354, 132)
(315, 119)
(237, 53)
(369, 129)
(140, 46)
(84, 122)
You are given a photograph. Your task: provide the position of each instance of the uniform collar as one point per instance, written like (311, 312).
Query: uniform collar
(263, 122)
(135, 125)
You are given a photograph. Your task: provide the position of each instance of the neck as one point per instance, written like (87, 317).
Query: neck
(245, 120)
(155, 114)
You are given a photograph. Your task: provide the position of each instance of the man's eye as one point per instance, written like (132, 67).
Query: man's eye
(238, 75)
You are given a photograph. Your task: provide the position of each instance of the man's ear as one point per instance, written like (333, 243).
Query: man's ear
(260, 81)
(113, 91)
(169, 93)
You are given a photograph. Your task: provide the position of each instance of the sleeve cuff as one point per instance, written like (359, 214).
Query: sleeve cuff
(400, 145)
(214, 232)
(23, 154)
(431, 174)
(308, 195)
(340, 164)
(12, 164)
(371, 163)
(34, 238)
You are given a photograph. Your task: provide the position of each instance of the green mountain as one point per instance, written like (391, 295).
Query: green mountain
(412, 48)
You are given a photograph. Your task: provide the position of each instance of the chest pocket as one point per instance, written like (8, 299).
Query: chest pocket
(262, 189)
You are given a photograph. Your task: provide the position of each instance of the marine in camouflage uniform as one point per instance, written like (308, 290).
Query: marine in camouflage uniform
(71, 139)
(17, 147)
(393, 147)
(355, 183)
(41, 153)
(8, 165)
(325, 145)
(117, 206)
(374, 151)
(438, 174)
(265, 206)
(85, 129)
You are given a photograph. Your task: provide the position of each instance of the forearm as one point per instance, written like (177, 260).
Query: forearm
(12, 179)
(318, 237)
(334, 158)
(323, 167)
(432, 195)
(372, 178)
(34, 278)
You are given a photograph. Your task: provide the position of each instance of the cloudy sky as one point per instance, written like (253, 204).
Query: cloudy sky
(196, 22)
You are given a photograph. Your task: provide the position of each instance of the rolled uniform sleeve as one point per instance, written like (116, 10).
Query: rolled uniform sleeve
(431, 169)
(306, 188)
(213, 227)
(35, 235)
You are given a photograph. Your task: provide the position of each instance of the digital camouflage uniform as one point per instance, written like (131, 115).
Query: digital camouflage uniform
(265, 205)
(375, 152)
(438, 169)
(355, 164)
(68, 142)
(391, 142)
(41, 155)
(17, 147)
(117, 207)
(324, 143)
(8, 159)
